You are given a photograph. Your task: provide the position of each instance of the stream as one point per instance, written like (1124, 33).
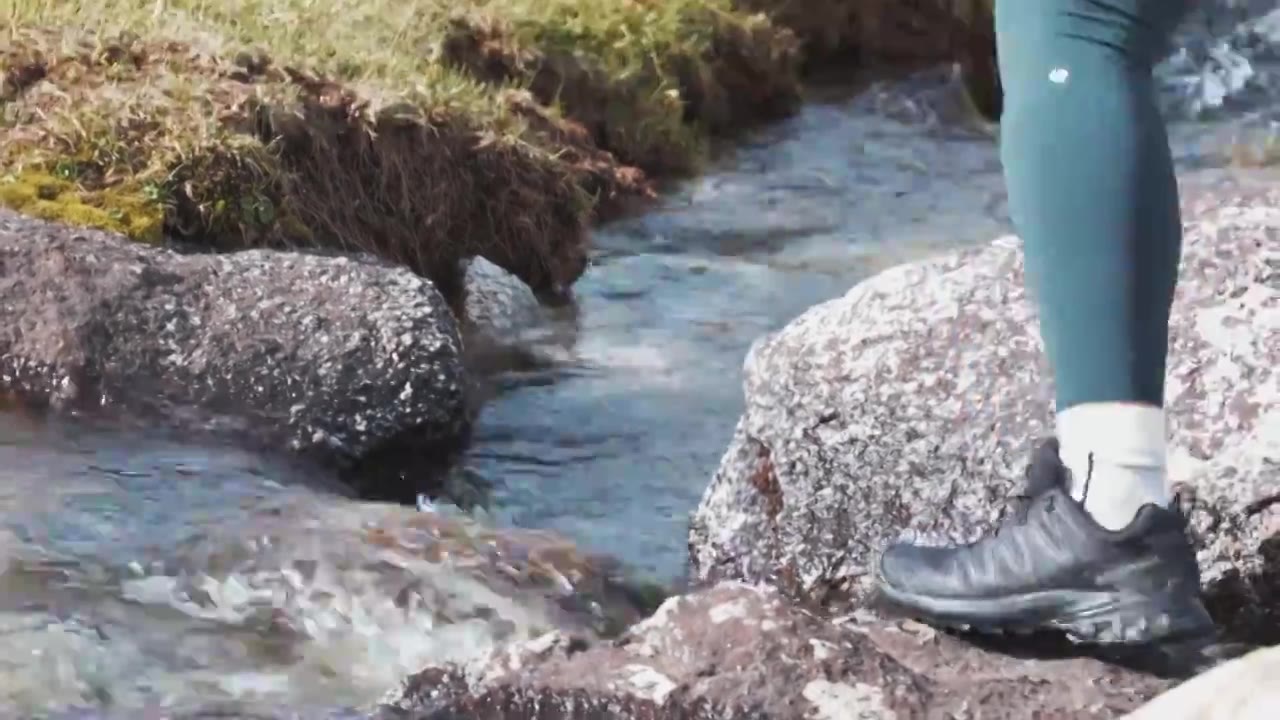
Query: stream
(614, 443)
(146, 576)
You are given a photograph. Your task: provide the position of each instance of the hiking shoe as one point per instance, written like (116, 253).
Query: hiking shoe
(1050, 566)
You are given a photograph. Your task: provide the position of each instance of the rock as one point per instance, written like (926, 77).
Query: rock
(738, 651)
(498, 304)
(1241, 689)
(911, 404)
(329, 356)
(309, 568)
(506, 326)
(298, 590)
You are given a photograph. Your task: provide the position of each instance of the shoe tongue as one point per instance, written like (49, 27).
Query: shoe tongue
(1047, 471)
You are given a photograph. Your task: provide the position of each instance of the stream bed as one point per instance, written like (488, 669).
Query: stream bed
(144, 575)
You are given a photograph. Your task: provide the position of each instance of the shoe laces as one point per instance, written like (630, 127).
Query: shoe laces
(1020, 504)
(1044, 474)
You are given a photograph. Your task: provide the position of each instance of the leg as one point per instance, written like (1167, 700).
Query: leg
(1093, 195)
(1094, 550)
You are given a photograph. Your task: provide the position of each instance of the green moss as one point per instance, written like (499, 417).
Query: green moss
(129, 210)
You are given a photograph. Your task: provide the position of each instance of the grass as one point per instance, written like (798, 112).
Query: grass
(423, 131)
(649, 80)
(883, 30)
(1255, 150)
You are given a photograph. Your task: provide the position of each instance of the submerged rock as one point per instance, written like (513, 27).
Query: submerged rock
(911, 404)
(444, 586)
(326, 355)
(300, 603)
(737, 651)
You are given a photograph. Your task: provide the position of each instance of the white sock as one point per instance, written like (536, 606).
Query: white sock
(1117, 456)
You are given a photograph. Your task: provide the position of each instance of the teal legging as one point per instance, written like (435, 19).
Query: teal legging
(1091, 187)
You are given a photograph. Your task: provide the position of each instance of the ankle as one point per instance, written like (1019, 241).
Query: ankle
(1116, 453)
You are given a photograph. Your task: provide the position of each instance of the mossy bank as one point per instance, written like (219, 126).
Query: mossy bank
(422, 131)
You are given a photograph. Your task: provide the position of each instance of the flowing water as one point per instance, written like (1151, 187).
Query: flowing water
(614, 443)
(143, 575)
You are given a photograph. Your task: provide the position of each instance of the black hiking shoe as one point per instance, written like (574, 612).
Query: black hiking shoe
(1049, 566)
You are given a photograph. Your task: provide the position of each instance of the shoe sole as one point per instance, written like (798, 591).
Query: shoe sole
(1086, 616)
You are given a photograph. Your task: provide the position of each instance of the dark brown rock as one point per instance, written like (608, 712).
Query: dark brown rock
(735, 651)
(326, 355)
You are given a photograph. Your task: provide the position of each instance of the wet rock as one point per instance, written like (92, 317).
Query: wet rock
(498, 304)
(737, 651)
(507, 326)
(300, 592)
(1242, 689)
(326, 355)
(911, 404)
(309, 573)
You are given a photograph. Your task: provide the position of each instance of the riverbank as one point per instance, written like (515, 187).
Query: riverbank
(423, 132)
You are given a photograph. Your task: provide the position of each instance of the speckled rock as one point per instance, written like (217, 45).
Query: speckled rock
(911, 403)
(324, 355)
(735, 651)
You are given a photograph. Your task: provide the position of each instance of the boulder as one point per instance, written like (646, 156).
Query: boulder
(328, 356)
(910, 405)
(740, 651)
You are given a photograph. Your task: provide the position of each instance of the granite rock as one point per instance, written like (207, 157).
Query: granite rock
(507, 326)
(909, 405)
